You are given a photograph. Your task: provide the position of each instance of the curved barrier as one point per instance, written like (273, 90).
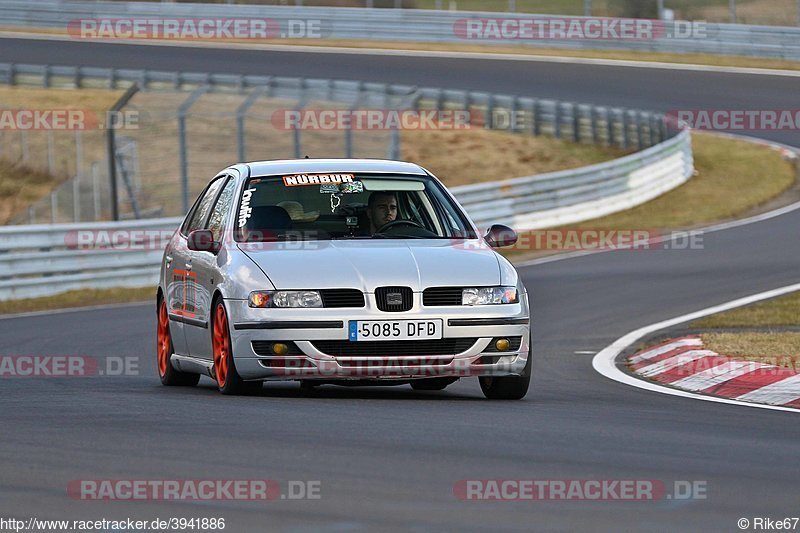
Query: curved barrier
(420, 25)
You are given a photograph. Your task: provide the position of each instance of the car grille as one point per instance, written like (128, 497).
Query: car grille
(342, 298)
(437, 296)
(394, 299)
(451, 346)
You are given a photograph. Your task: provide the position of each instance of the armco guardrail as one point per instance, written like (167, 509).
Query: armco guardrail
(415, 25)
(47, 259)
(42, 260)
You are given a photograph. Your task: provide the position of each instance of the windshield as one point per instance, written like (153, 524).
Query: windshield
(347, 206)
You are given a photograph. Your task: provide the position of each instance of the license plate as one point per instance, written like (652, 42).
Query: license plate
(394, 330)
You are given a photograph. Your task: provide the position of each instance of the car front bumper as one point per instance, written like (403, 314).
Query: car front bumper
(303, 327)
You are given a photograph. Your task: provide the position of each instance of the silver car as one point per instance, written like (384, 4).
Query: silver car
(341, 271)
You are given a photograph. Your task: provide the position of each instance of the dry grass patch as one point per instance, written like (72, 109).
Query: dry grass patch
(733, 176)
(80, 298)
(478, 155)
(39, 98)
(781, 349)
(21, 186)
(783, 311)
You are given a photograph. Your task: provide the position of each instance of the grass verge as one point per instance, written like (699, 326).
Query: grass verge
(79, 298)
(484, 155)
(21, 186)
(734, 178)
(774, 348)
(770, 344)
(783, 311)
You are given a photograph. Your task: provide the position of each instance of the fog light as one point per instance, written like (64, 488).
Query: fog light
(279, 348)
(502, 345)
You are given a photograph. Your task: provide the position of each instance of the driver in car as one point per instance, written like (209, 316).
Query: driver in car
(381, 209)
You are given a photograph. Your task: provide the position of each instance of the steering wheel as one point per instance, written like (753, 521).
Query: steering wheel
(398, 223)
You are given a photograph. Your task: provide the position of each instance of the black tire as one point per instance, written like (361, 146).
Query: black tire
(508, 387)
(229, 382)
(432, 383)
(164, 350)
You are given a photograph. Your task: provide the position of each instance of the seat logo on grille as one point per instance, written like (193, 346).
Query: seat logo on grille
(394, 298)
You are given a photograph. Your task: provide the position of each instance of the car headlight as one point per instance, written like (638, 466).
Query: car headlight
(263, 299)
(489, 296)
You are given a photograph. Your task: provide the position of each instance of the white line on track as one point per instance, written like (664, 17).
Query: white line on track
(424, 53)
(605, 361)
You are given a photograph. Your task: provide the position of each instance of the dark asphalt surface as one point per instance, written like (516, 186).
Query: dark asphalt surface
(388, 458)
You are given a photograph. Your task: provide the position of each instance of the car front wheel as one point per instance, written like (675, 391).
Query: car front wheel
(508, 387)
(228, 379)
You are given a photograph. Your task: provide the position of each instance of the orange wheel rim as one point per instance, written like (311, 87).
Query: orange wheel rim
(222, 345)
(162, 348)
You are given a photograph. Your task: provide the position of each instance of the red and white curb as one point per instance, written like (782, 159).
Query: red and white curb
(684, 364)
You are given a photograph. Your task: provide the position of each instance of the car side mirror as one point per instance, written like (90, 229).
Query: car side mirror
(499, 235)
(202, 240)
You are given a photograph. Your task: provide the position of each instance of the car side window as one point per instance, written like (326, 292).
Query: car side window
(216, 222)
(204, 206)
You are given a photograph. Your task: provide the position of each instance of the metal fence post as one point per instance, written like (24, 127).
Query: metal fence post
(625, 128)
(23, 144)
(732, 9)
(53, 207)
(639, 130)
(394, 143)
(513, 120)
(609, 127)
(111, 147)
(183, 145)
(576, 122)
(557, 121)
(587, 8)
(76, 198)
(95, 191)
(51, 161)
(240, 116)
(78, 153)
(512, 5)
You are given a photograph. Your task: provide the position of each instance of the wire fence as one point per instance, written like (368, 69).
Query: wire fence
(181, 128)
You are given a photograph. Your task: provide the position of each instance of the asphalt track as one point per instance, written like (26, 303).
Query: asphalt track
(388, 458)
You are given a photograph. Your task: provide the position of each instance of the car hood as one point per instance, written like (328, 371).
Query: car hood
(365, 265)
